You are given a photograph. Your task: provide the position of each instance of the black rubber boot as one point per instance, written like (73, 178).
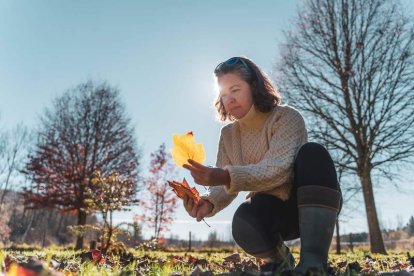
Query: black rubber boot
(316, 226)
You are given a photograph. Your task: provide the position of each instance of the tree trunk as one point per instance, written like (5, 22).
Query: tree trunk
(375, 237)
(189, 241)
(156, 219)
(59, 224)
(13, 215)
(81, 221)
(338, 238)
(110, 230)
(44, 238)
(23, 238)
(161, 215)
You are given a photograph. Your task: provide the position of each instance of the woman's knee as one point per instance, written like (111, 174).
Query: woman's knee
(249, 231)
(312, 150)
(314, 166)
(244, 220)
(315, 178)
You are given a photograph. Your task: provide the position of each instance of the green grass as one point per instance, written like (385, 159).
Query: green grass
(167, 263)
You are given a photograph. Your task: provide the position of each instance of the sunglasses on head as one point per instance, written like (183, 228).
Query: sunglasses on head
(231, 62)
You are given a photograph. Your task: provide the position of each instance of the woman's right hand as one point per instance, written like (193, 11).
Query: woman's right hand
(199, 211)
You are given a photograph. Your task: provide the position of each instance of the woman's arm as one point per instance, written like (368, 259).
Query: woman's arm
(216, 194)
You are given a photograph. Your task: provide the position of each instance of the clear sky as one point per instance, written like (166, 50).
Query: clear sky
(161, 55)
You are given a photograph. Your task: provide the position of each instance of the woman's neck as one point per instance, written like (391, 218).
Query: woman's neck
(253, 119)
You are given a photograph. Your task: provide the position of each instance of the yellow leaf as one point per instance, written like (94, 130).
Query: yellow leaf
(12, 270)
(94, 180)
(185, 148)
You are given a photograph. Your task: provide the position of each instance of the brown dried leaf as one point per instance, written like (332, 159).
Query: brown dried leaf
(182, 189)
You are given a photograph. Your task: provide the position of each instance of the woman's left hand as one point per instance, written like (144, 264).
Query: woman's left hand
(207, 176)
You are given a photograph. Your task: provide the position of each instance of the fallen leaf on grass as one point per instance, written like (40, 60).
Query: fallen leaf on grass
(354, 266)
(92, 255)
(397, 266)
(33, 267)
(97, 256)
(341, 264)
(200, 272)
(18, 270)
(235, 258)
(249, 264)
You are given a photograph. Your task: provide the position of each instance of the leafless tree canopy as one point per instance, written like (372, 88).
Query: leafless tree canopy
(351, 63)
(349, 66)
(14, 145)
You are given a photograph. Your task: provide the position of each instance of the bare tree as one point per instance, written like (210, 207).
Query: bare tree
(349, 67)
(159, 203)
(14, 145)
(85, 130)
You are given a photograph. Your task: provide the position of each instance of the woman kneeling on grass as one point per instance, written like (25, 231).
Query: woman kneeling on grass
(293, 185)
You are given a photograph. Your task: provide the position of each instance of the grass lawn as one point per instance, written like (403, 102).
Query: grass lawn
(54, 261)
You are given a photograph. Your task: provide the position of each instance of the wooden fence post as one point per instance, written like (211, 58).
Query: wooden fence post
(189, 241)
(351, 243)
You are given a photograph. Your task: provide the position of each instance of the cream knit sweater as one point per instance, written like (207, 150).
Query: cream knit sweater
(258, 150)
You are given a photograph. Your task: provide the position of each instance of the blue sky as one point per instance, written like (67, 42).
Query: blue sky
(161, 55)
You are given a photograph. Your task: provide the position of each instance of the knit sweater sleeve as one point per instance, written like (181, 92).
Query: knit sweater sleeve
(276, 168)
(216, 194)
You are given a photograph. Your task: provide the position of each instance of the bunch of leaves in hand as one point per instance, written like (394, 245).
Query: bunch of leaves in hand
(183, 189)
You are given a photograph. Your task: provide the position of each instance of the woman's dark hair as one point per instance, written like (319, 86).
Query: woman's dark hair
(265, 95)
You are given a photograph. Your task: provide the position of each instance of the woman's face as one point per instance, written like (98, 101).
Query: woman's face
(235, 94)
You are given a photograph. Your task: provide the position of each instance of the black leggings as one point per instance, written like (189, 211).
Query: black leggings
(262, 222)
